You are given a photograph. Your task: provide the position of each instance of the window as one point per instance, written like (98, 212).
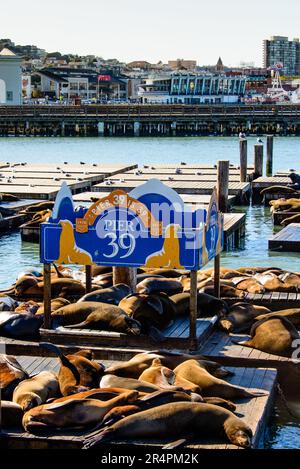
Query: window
(9, 96)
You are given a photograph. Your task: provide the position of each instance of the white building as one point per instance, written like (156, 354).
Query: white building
(10, 78)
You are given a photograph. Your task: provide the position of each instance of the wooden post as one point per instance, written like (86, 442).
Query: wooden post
(243, 160)
(88, 278)
(222, 192)
(270, 146)
(258, 160)
(125, 275)
(47, 296)
(193, 310)
(222, 185)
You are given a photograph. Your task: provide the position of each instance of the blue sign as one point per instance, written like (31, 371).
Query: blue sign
(149, 227)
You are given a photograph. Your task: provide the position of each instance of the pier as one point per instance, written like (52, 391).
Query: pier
(287, 240)
(149, 120)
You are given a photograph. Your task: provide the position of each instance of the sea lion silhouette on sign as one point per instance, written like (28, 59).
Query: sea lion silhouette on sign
(69, 252)
(169, 255)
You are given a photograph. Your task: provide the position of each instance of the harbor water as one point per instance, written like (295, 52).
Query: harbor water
(284, 430)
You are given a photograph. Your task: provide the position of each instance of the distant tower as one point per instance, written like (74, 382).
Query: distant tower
(220, 66)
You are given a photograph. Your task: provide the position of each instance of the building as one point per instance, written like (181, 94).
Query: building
(279, 50)
(10, 78)
(182, 64)
(70, 84)
(193, 88)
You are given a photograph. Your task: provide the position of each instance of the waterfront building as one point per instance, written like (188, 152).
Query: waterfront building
(10, 78)
(70, 84)
(193, 88)
(182, 64)
(280, 50)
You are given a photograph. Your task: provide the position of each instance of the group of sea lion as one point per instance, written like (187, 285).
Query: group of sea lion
(156, 394)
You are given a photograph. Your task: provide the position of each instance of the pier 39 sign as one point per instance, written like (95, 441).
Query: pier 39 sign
(149, 227)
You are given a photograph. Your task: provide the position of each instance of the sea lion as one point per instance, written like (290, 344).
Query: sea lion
(74, 413)
(47, 205)
(8, 304)
(60, 287)
(74, 313)
(293, 315)
(8, 197)
(35, 391)
(27, 307)
(179, 419)
(167, 273)
(56, 304)
(278, 190)
(112, 295)
(109, 318)
(134, 367)
(11, 415)
(11, 374)
(78, 372)
(210, 386)
(285, 205)
(21, 325)
(270, 281)
(104, 280)
(162, 377)
(241, 317)
(291, 280)
(154, 310)
(274, 335)
(112, 381)
(157, 285)
(102, 394)
(225, 291)
(248, 284)
(294, 219)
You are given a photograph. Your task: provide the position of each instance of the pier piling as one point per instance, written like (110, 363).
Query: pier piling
(258, 160)
(243, 160)
(270, 148)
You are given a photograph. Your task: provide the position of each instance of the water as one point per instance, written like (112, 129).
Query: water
(284, 430)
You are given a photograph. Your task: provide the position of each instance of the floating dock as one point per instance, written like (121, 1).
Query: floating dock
(279, 217)
(255, 412)
(176, 336)
(274, 301)
(12, 222)
(287, 240)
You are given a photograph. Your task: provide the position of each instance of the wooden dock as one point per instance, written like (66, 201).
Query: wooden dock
(279, 217)
(234, 230)
(10, 223)
(255, 412)
(275, 301)
(176, 336)
(239, 189)
(287, 240)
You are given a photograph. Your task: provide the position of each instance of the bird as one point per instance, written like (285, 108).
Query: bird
(242, 135)
(259, 140)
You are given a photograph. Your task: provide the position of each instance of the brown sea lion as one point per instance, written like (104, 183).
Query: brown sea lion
(241, 317)
(78, 372)
(167, 273)
(104, 280)
(270, 281)
(274, 335)
(27, 307)
(157, 285)
(134, 367)
(112, 295)
(35, 391)
(11, 374)
(257, 270)
(155, 310)
(162, 377)
(248, 284)
(11, 415)
(112, 381)
(293, 219)
(109, 318)
(293, 315)
(225, 273)
(210, 386)
(102, 394)
(291, 280)
(175, 420)
(278, 190)
(225, 291)
(56, 304)
(47, 205)
(288, 205)
(60, 287)
(76, 413)
(75, 312)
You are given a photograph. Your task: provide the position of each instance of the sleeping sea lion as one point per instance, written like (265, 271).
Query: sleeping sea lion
(35, 391)
(167, 273)
(11, 415)
(154, 310)
(225, 291)
(157, 285)
(134, 367)
(21, 325)
(74, 313)
(193, 371)
(47, 205)
(102, 394)
(291, 280)
(293, 315)
(248, 284)
(162, 377)
(270, 281)
(179, 419)
(60, 287)
(294, 219)
(112, 381)
(112, 295)
(241, 317)
(109, 318)
(11, 374)
(274, 335)
(56, 304)
(78, 372)
(74, 413)
(7, 303)
(27, 307)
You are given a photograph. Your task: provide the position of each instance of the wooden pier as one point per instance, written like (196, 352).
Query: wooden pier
(287, 240)
(279, 217)
(176, 336)
(255, 412)
(274, 301)
(12, 222)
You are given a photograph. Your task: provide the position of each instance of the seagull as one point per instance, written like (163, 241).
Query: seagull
(259, 140)
(178, 171)
(242, 135)
(82, 162)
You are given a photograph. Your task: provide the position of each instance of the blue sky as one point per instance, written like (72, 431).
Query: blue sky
(152, 29)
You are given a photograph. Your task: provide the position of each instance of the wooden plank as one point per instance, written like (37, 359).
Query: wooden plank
(287, 240)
